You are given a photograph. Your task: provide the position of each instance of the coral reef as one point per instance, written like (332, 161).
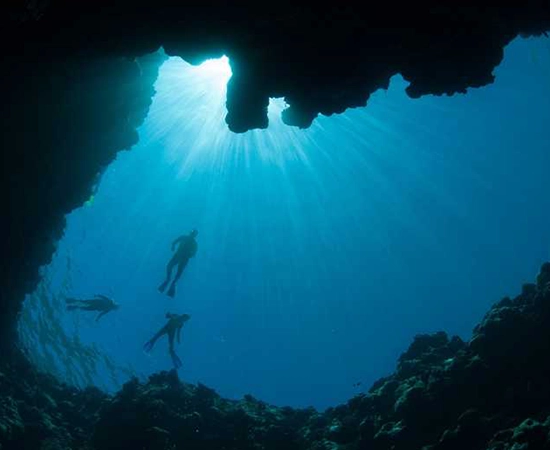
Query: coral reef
(489, 393)
(37, 412)
(447, 394)
(165, 413)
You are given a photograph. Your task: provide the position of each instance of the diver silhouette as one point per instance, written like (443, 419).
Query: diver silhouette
(186, 249)
(100, 303)
(175, 324)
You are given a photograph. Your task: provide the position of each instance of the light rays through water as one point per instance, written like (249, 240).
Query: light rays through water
(192, 118)
(321, 251)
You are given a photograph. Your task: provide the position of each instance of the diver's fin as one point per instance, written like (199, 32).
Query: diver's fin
(172, 291)
(148, 346)
(162, 287)
(176, 360)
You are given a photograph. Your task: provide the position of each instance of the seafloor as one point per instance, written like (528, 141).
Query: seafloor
(492, 392)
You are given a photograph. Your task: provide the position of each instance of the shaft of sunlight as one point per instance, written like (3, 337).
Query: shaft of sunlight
(190, 115)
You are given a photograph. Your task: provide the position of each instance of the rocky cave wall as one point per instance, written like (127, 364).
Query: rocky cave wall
(64, 124)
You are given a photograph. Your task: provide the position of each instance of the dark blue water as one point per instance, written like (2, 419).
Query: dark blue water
(322, 252)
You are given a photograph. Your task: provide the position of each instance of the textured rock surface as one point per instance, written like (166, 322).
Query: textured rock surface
(322, 59)
(63, 126)
(489, 393)
(36, 412)
(165, 413)
(448, 394)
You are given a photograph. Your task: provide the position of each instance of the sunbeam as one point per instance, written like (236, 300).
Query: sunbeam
(321, 252)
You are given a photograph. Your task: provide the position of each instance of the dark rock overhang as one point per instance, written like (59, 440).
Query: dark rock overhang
(321, 59)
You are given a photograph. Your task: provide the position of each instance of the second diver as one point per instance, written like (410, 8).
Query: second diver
(100, 303)
(186, 249)
(174, 325)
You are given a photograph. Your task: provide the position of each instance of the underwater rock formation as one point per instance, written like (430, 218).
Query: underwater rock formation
(322, 59)
(37, 412)
(64, 125)
(165, 413)
(446, 394)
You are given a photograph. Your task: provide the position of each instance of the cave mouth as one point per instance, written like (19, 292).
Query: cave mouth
(215, 72)
(322, 252)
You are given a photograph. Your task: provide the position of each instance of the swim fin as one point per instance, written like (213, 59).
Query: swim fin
(176, 360)
(162, 287)
(172, 291)
(148, 346)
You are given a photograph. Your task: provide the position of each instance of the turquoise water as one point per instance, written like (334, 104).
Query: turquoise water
(321, 252)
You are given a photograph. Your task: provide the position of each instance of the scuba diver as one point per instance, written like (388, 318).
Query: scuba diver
(99, 303)
(187, 247)
(175, 324)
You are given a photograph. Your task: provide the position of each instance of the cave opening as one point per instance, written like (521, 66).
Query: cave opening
(322, 251)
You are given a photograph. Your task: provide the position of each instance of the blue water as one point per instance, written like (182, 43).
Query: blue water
(322, 252)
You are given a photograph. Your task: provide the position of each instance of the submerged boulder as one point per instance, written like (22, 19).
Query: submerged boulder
(165, 411)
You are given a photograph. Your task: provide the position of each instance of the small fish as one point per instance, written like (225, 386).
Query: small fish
(357, 384)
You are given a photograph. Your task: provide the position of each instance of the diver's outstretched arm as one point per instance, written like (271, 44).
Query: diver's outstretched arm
(148, 346)
(101, 314)
(176, 241)
(150, 343)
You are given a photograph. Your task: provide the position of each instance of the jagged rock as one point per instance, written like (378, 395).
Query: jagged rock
(543, 277)
(427, 351)
(411, 398)
(391, 435)
(36, 412)
(528, 435)
(325, 445)
(11, 424)
(343, 431)
(531, 432)
(192, 417)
